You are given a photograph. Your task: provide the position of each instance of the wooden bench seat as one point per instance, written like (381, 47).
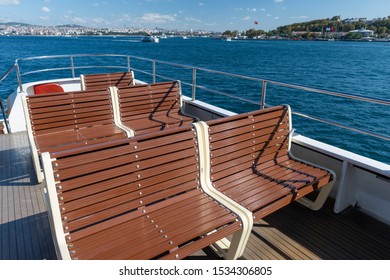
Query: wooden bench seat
(106, 80)
(251, 162)
(151, 107)
(138, 198)
(59, 121)
(170, 193)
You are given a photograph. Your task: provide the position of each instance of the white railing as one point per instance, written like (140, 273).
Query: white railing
(125, 63)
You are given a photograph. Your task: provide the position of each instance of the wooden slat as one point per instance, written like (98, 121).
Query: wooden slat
(350, 235)
(103, 81)
(281, 235)
(250, 161)
(103, 191)
(154, 107)
(72, 119)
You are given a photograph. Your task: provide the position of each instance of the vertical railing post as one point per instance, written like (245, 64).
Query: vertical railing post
(72, 66)
(154, 71)
(19, 76)
(128, 64)
(263, 94)
(193, 84)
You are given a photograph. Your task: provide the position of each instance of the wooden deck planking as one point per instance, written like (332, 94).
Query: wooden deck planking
(24, 228)
(293, 232)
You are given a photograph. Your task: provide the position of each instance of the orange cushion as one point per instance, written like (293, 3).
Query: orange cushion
(47, 88)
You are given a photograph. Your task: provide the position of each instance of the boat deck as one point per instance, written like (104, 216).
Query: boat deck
(24, 227)
(293, 232)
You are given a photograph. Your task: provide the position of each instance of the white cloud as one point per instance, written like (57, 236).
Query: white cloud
(192, 19)
(248, 9)
(276, 17)
(201, 4)
(157, 18)
(79, 20)
(278, 1)
(100, 21)
(9, 2)
(247, 18)
(45, 10)
(96, 4)
(76, 20)
(44, 18)
(300, 17)
(211, 24)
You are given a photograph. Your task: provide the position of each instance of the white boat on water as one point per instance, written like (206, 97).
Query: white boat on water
(353, 224)
(150, 39)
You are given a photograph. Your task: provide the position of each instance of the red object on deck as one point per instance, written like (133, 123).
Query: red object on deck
(48, 88)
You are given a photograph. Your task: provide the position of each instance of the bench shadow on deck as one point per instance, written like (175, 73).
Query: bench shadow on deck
(24, 227)
(293, 232)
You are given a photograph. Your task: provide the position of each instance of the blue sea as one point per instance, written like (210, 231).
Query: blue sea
(359, 68)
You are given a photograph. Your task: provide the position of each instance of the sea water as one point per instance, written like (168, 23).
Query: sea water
(359, 68)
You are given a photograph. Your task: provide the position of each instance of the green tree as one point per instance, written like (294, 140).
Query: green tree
(251, 33)
(382, 30)
(336, 18)
(373, 28)
(227, 33)
(348, 27)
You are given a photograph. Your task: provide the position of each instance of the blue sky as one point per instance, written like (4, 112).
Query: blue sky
(215, 15)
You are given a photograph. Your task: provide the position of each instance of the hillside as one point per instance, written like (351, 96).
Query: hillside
(14, 24)
(336, 24)
(334, 27)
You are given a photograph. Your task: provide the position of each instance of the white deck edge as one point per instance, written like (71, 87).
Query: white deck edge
(348, 191)
(342, 155)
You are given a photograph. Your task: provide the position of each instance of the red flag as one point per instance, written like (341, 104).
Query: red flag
(256, 22)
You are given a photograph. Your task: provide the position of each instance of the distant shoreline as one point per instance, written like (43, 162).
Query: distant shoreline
(370, 40)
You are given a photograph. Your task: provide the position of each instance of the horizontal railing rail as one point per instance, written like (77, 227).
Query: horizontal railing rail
(354, 129)
(72, 68)
(154, 73)
(332, 93)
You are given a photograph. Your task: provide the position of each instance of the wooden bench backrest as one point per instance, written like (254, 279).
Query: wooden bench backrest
(239, 142)
(103, 81)
(147, 101)
(69, 111)
(251, 163)
(121, 178)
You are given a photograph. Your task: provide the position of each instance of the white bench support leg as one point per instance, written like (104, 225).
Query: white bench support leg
(320, 200)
